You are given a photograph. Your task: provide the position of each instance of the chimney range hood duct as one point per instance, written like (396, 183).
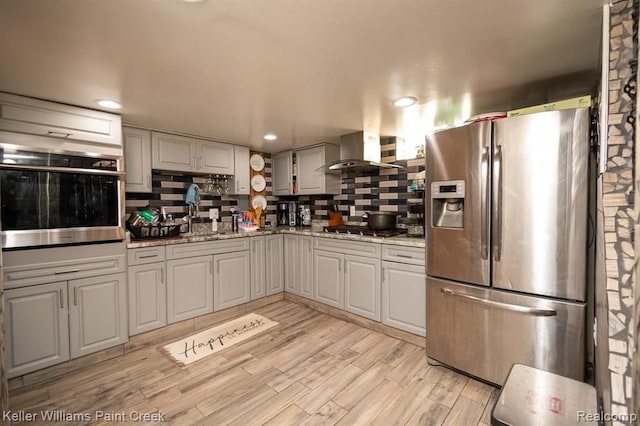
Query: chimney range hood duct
(359, 151)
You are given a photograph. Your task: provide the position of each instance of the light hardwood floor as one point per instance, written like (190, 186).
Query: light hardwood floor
(310, 369)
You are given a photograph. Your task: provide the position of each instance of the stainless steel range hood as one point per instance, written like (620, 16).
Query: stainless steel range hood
(359, 151)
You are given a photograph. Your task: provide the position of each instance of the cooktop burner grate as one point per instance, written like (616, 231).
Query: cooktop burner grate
(363, 230)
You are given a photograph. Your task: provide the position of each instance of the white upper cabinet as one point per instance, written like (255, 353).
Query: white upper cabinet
(185, 154)
(310, 180)
(37, 117)
(304, 178)
(281, 172)
(240, 182)
(137, 157)
(173, 152)
(215, 158)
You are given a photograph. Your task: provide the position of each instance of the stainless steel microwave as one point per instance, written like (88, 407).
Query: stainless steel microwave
(51, 198)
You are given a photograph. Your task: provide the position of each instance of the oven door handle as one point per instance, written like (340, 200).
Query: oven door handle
(62, 169)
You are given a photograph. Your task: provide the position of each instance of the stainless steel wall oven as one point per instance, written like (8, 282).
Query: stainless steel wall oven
(60, 197)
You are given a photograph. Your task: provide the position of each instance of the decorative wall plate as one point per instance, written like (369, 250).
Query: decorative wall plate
(256, 162)
(259, 200)
(258, 183)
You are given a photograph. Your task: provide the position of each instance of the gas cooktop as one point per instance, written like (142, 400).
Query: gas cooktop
(363, 230)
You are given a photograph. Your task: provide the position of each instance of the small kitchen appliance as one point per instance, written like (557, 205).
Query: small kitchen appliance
(294, 217)
(283, 213)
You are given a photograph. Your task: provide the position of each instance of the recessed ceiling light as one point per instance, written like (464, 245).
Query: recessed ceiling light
(106, 103)
(405, 101)
(270, 137)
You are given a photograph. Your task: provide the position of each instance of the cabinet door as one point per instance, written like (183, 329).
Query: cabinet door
(310, 179)
(137, 157)
(34, 116)
(258, 268)
(36, 327)
(274, 264)
(173, 152)
(291, 278)
(404, 297)
(362, 286)
(189, 288)
(215, 158)
(147, 297)
(305, 266)
(281, 172)
(97, 313)
(231, 280)
(241, 180)
(328, 278)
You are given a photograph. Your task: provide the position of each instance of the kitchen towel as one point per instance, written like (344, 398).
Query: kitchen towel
(215, 339)
(192, 194)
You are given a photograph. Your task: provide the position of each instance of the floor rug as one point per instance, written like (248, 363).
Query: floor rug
(192, 348)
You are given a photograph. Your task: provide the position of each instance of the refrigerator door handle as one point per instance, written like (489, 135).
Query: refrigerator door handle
(483, 204)
(501, 305)
(497, 210)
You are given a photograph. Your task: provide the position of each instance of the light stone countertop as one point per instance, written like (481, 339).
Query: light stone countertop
(401, 240)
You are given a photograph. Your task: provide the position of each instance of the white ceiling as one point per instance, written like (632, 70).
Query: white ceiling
(307, 70)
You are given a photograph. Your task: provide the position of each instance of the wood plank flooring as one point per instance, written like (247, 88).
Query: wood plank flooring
(311, 369)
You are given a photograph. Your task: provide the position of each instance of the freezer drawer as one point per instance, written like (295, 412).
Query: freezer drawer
(484, 331)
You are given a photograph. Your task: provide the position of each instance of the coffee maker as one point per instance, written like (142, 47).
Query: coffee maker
(283, 213)
(294, 218)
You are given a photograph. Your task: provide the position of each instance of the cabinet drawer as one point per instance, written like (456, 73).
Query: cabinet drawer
(35, 116)
(403, 254)
(347, 247)
(40, 266)
(141, 256)
(180, 251)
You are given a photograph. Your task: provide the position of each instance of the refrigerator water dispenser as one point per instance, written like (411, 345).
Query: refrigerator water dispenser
(447, 204)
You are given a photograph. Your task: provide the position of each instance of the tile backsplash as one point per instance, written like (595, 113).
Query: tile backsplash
(376, 190)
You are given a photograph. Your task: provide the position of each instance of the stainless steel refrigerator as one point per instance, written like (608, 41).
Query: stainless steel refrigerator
(507, 244)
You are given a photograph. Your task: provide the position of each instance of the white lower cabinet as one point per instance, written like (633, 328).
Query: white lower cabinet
(328, 278)
(51, 323)
(298, 260)
(258, 268)
(231, 279)
(36, 327)
(274, 263)
(347, 282)
(62, 303)
(404, 297)
(362, 286)
(189, 288)
(305, 266)
(290, 261)
(97, 313)
(147, 297)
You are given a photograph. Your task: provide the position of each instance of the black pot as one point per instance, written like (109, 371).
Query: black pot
(381, 221)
